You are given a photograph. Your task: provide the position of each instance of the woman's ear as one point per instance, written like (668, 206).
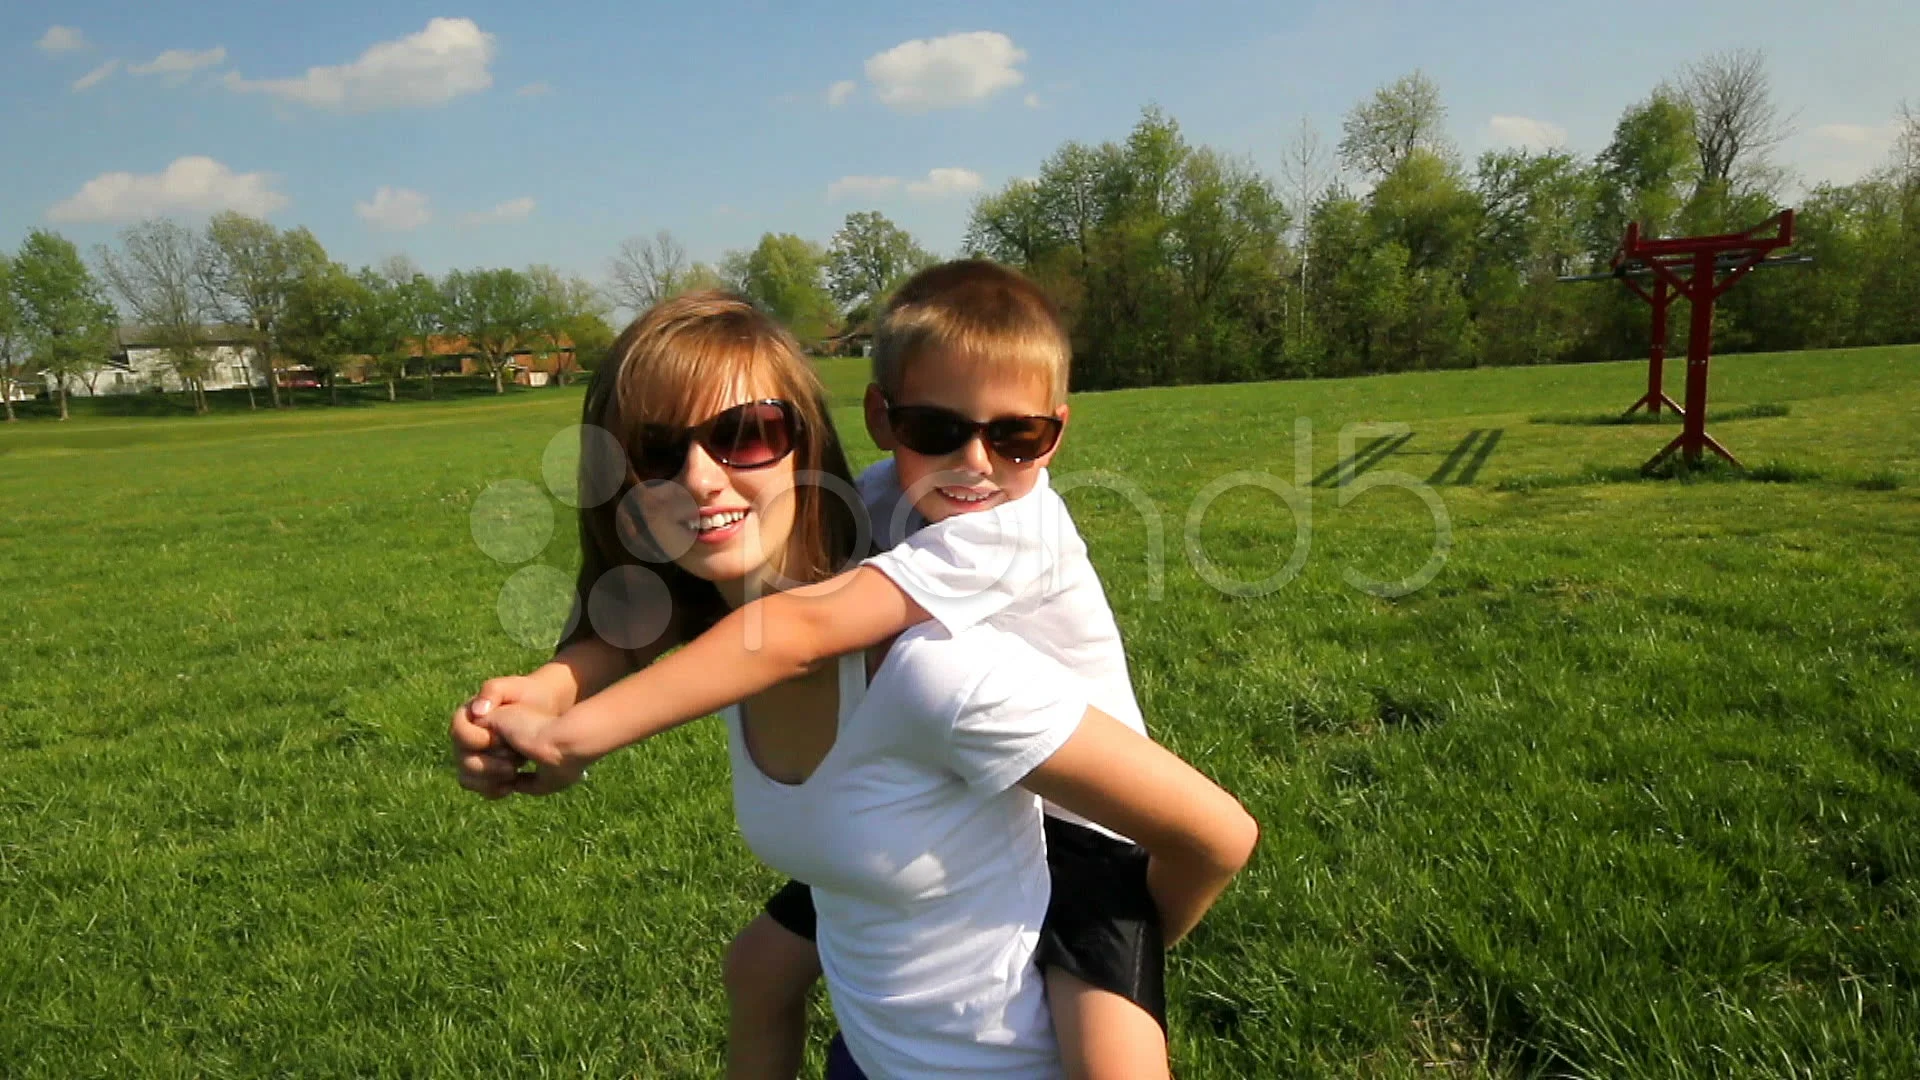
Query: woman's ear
(878, 429)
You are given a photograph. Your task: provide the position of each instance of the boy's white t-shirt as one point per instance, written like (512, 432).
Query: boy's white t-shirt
(927, 862)
(1021, 567)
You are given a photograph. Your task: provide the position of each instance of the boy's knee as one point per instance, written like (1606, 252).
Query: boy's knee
(768, 968)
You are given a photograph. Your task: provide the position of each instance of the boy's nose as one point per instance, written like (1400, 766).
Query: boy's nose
(974, 455)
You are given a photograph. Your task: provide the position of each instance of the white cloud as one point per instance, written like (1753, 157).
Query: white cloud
(95, 77)
(59, 39)
(1032, 101)
(861, 187)
(1870, 137)
(533, 89)
(395, 210)
(839, 93)
(442, 62)
(1526, 131)
(939, 73)
(191, 185)
(177, 64)
(511, 210)
(943, 182)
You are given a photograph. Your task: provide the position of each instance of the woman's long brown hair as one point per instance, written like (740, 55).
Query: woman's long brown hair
(675, 365)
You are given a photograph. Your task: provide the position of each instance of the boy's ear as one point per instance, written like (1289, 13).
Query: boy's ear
(878, 429)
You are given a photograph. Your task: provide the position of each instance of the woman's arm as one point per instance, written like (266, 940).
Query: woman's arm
(761, 645)
(1197, 835)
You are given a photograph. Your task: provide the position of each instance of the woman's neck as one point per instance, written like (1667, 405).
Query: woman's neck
(740, 591)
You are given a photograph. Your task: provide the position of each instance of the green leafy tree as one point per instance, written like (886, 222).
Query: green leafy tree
(158, 274)
(867, 258)
(498, 312)
(1646, 173)
(786, 275)
(1402, 117)
(703, 276)
(66, 323)
(1531, 215)
(249, 275)
(379, 328)
(421, 307)
(1010, 226)
(318, 327)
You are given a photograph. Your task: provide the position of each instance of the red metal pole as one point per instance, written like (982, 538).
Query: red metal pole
(1657, 355)
(1700, 296)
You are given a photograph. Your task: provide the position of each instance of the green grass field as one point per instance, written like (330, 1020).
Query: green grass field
(1630, 788)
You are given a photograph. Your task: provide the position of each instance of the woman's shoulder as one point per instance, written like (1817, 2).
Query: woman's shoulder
(941, 675)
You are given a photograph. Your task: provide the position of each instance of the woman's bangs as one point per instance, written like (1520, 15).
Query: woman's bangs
(683, 382)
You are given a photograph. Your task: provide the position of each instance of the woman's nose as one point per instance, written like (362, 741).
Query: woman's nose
(701, 474)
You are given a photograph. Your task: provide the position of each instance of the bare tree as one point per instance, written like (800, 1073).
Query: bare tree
(647, 270)
(1378, 134)
(251, 270)
(1906, 147)
(158, 274)
(1735, 119)
(1306, 170)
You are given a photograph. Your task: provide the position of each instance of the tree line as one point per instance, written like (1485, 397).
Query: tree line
(276, 291)
(1172, 263)
(1387, 252)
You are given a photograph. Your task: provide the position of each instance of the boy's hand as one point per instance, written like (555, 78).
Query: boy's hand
(526, 732)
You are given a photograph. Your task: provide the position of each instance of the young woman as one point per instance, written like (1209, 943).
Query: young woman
(903, 793)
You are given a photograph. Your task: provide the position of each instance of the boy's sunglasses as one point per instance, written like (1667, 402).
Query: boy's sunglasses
(934, 431)
(753, 435)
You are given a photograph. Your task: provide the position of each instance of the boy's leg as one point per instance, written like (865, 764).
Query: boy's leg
(1102, 1035)
(768, 971)
(1103, 957)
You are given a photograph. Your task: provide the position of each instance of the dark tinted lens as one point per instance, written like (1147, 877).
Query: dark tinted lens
(659, 453)
(929, 430)
(1023, 438)
(751, 435)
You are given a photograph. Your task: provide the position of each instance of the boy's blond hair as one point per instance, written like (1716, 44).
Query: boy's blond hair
(985, 312)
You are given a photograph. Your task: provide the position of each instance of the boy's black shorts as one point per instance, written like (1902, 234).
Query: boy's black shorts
(1101, 926)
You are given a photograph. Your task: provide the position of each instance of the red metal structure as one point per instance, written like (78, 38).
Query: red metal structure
(1699, 269)
(1659, 296)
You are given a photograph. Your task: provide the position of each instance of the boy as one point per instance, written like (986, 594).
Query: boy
(970, 375)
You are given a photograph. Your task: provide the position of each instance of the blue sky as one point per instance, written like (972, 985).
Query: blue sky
(546, 133)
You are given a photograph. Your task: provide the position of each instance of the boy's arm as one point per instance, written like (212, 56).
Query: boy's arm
(1197, 836)
(761, 645)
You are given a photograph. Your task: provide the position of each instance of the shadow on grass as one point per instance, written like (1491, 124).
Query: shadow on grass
(1478, 461)
(1708, 470)
(1363, 459)
(1765, 410)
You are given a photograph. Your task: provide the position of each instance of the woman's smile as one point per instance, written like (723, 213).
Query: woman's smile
(717, 526)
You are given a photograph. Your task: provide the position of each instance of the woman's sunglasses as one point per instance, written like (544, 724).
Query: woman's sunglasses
(753, 435)
(934, 431)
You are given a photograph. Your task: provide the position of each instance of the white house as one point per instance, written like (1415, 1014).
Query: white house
(140, 365)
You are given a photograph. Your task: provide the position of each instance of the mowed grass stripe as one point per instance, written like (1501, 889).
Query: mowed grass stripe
(1627, 790)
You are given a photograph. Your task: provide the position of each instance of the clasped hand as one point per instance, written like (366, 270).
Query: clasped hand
(499, 743)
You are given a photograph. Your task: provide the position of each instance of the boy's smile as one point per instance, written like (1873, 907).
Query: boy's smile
(972, 478)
